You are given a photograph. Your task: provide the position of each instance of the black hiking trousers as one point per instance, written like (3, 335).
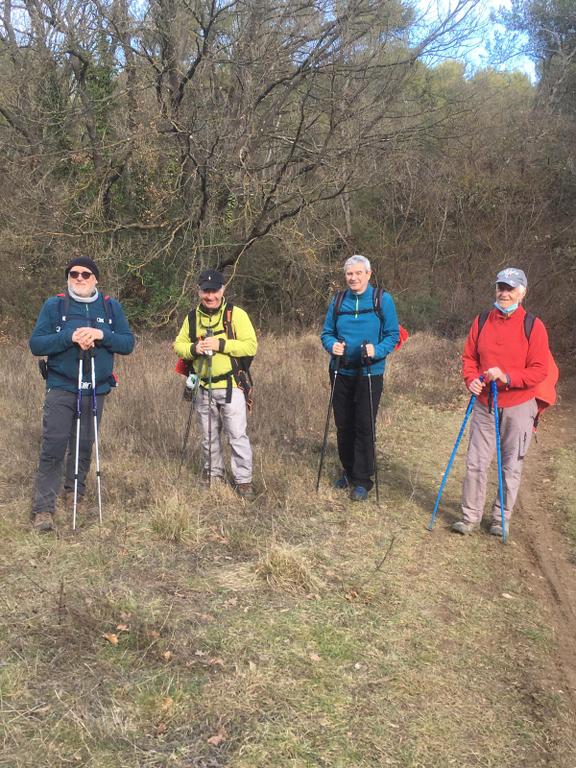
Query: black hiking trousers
(353, 426)
(58, 449)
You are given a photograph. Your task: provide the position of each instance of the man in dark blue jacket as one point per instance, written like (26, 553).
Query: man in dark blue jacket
(362, 336)
(81, 320)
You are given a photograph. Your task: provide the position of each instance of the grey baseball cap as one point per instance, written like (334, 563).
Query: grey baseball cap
(512, 277)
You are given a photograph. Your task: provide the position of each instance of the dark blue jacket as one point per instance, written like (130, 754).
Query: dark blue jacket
(360, 324)
(53, 337)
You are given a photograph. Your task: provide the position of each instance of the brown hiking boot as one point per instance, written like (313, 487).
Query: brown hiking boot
(245, 491)
(68, 498)
(43, 522)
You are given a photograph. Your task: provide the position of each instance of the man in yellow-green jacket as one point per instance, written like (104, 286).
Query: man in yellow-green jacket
(223, 335)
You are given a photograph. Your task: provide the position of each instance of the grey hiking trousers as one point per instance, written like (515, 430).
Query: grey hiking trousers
(230, 417)
(59, 436)
(516, 424)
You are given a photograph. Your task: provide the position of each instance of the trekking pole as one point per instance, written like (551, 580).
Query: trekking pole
(494, 390)
(96, 444)
(366, 363)
(327, 425)
(193, 395)
(209, 332)
(451, 459)
(78, 417)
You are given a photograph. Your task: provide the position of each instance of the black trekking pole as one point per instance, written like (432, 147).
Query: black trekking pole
(366, 364)
(209, 354)
(78, 417)
(96, 444)
(190, 393)
(327, 426)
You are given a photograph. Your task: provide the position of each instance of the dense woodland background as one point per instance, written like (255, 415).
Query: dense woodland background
(275, 137)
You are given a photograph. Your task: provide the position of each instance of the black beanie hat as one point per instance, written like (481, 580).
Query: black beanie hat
(82, 261)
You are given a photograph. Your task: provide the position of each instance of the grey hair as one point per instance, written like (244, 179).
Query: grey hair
(357, 259)
(523, 289)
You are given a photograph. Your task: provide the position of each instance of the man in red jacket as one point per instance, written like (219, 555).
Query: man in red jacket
(501, 352)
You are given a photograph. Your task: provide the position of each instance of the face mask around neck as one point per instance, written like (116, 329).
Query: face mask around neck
(506, 310)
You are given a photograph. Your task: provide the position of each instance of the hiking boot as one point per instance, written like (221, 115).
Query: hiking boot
(245, 491)
(496, 529)
(342, 482)
(358, 493)
(461, 526)
(43, 522)
(68, 498)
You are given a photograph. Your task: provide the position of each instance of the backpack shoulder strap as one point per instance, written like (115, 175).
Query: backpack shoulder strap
(338, 299)
(529, 324)
(377, 299)
(227, 320)
(109, 311)
(192, 325)
(63, 304)
(482, 317)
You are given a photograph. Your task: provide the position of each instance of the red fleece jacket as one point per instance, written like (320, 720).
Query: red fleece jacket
(503, 344)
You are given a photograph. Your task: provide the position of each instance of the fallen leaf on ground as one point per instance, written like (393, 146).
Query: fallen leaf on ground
(315, 657)
(167, 655)
(507, 596)
(217, 739)
(111, 637)
(123, 628)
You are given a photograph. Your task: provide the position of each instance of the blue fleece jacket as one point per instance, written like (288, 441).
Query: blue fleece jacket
(355, 327)
(53, 337)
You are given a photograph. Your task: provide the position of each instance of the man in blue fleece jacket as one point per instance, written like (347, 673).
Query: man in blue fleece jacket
(345, 332)
(77, 321)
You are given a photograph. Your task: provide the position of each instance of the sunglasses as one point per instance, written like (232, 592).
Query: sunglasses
(75, 274)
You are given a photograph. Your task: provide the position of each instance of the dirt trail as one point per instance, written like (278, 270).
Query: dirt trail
(540, 529)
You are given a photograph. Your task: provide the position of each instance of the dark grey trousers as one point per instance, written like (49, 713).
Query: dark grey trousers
(59, 437)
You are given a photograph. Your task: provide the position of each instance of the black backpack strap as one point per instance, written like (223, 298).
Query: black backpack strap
(238, 363)
(192, 325)
(377, 299)
(109, 311)
(63, 305)
(529, 319)
(482, 317)
(338, 299)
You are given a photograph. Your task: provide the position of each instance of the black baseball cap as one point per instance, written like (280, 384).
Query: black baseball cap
(211, 280)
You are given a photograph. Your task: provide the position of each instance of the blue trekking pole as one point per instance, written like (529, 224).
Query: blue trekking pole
(494, 390)
(451, 459)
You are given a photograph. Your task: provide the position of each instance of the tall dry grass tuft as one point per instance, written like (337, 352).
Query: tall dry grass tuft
(288, 570)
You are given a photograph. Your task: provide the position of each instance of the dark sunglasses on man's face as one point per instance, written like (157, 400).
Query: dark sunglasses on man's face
(75, 275)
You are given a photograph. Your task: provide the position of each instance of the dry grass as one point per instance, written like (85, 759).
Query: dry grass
(197, 630)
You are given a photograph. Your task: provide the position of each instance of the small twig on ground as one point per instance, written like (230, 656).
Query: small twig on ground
(380, 563)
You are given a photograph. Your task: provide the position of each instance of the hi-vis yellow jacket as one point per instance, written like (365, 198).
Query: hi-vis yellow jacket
(244, 344)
